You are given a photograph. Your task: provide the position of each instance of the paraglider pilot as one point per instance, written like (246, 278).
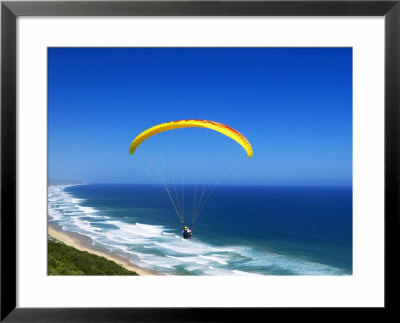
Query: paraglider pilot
(187, 233)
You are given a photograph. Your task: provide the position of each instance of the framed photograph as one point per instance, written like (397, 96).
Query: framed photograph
(197, 160)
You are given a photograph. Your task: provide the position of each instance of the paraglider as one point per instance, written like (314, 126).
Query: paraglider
(187, 233)
(224, 129)
(177, 202)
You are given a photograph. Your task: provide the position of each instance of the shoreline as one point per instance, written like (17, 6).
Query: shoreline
(83, 243)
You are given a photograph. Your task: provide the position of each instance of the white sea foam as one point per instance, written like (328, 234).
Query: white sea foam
(76, 201)
(138, 229)
(54, 214)
(215, 258)
(87, 209)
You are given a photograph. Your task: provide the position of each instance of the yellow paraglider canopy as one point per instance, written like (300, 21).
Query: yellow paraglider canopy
(224, 129)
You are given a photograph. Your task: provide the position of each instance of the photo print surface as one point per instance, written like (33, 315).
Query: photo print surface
(200, 161)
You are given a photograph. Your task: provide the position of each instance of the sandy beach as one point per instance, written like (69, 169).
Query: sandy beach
(84, 244)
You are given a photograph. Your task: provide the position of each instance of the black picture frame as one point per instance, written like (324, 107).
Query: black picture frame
(10, 10)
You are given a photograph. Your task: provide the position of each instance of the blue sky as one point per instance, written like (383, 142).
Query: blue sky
(294, 105)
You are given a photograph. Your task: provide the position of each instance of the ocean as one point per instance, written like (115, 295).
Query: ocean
(242, 230)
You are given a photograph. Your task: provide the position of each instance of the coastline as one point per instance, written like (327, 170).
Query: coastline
(83, 243)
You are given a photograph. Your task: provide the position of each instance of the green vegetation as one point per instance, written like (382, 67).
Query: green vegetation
(65, 260)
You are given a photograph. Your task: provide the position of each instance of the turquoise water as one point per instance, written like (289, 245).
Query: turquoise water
(243, 230)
